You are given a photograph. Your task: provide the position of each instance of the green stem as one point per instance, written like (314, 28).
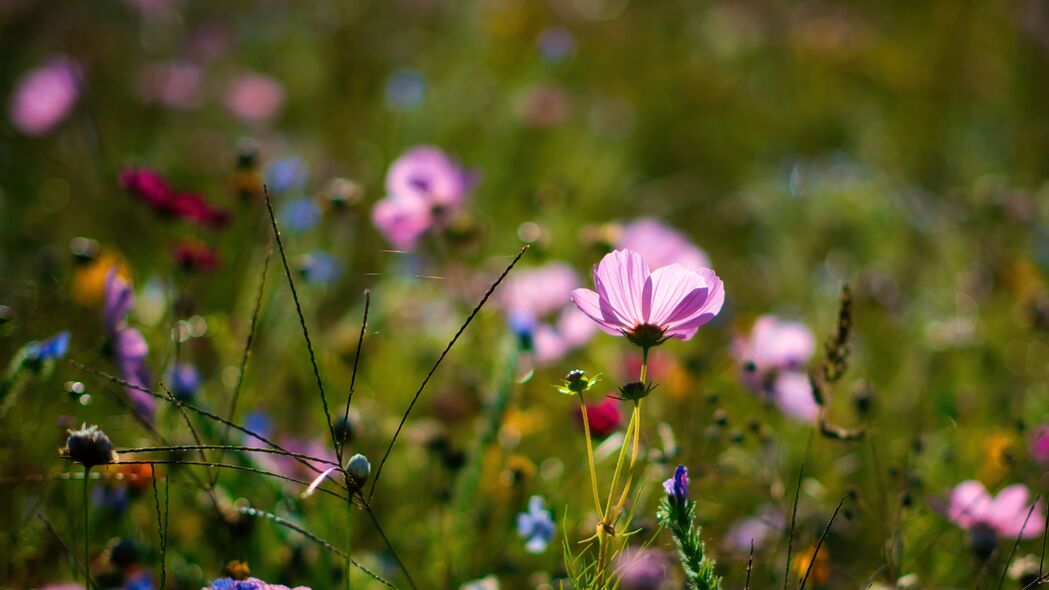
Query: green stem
(87, 534)
(590, 458)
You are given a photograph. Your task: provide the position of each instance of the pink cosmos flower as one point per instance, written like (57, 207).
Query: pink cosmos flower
(661, 245)
(126, 344)
(254, 98)
(424, 187)
(648, 307)
(772, 361)
(973, 508)
(45, 96)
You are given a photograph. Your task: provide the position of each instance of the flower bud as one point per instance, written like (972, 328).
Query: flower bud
(359, 468)
(89, 446)
(635, 390)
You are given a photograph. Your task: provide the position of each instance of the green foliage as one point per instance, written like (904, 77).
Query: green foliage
(680, 517)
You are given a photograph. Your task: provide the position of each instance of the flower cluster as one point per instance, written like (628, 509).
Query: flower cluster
(150, 187)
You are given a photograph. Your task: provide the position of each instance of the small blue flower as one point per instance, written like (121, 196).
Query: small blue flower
(319, 267)
(185, 381)
(300, 215)
(677, 486)
(536, 525)
(405, 89)
(260, 423)
(286, 174)
(523, 326)
(55, 347)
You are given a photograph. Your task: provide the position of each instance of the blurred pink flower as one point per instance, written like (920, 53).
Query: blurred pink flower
(972, 507)
(254, 97)
(1040, 445)
(127, 346)
(534, 294)
(773, 360)
(604, 417)
(424, 188)
(175, 85)
(757, 529)
(650, 307)
(661, 245)
(43, 97)
(642, 568)
(426, 172)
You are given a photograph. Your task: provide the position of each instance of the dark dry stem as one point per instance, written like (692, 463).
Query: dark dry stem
(1008, 560)
(87, 531)
(225, 448)
(162, 528)
(249, 511)
(192, 408)
(422, 386)
(793, 520)
(302, 318)
(389, 545)
(353, 377)
(1041, 557)
(69, 552)
(234, 467)
(819, 544)
(750, 565)
(246, 353)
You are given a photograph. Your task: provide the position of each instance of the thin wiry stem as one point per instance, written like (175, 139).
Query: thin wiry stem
(225, 448)
(87, 532)
(192, 408)
(389, 545)
(69, 552)
(246, 353)
(819, 544)
(249, 511)
(1008, 560)
(302, 318)
(353, 377)
(793, 519)
(437, 364)
(162, 530)
(189, 423)
(234, 467)
(750, 565)
(1045, 538)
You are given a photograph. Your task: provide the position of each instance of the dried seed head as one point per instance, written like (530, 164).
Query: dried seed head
(89, 446)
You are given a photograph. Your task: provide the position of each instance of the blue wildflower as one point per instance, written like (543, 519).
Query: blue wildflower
(523, 326)
(677, 486)
(536, 525)
(300, 215)
(319, 267)
(286, 174)
(55, 347)
(185, 381)
(405, 89)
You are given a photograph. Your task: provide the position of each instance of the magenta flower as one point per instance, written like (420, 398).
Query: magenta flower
(642, 568)
(974, 509)
(603, 417)
(661, 245)
(650, 307)
(772, 362)
(45, 96)
(254, 98)
(402, 220)
(150, 186)
(1040, 445)
(126, 344)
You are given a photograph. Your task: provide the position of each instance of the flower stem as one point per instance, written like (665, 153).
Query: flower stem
(87, 534)
(590, 458)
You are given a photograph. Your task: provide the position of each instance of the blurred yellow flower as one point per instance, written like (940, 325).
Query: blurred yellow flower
(820, 569)
(89, 277)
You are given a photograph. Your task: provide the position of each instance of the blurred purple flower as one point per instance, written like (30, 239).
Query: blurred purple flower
(43, 97)
(319, 267)
(286, 174)
(254, 98)
(773, 360)
(536, 525)
(972, 508)
(661, 245)
(650, 307)
(127, 345)
(642, 568)
(555, 43)
(185, 381)
(757, 529)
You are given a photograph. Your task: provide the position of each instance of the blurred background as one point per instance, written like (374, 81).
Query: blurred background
(901, 147)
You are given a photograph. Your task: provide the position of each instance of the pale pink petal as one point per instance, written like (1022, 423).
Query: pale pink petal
(969, 504)
(317, 482)
(1008, 510)
(549, 345)
(590, 303)
(661, 245)
(667, 289)
(792, 394)
(691, 314)
(620, 279)
(575, 327)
